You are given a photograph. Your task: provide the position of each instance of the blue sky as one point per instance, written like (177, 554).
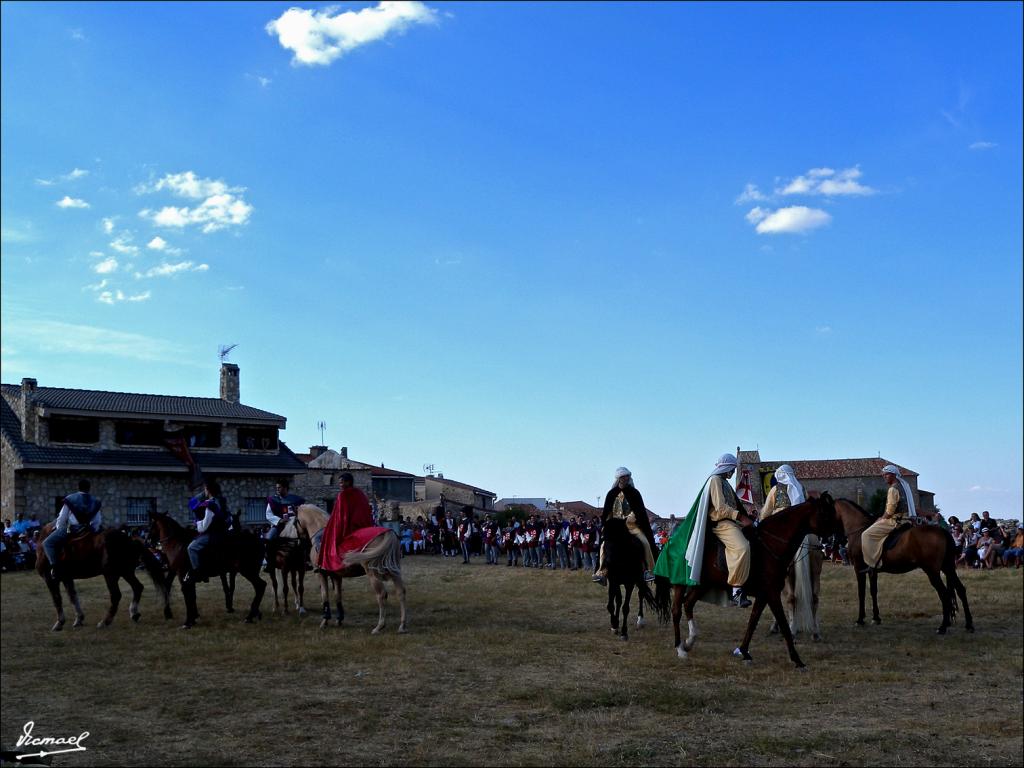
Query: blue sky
(528, 243)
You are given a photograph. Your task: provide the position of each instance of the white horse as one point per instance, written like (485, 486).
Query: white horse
(380, 560)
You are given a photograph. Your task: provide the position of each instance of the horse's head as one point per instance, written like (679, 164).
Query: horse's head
(822, 520)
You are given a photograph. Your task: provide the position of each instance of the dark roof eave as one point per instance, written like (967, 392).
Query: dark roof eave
(48, 411)
(163, 470)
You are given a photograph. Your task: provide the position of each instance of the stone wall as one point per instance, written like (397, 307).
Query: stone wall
(12, 498)
(320, 486)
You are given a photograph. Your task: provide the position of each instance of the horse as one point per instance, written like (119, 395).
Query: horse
(928, 547)
(380, 560)
(800, 594)
(109, 553)
(772, 548)
(241, 552)
(624, 562)
(289, 555)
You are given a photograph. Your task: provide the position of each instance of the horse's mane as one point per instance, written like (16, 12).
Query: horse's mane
(174, 528)
(859, 508)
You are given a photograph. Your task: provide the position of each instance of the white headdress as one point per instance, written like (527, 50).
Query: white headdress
(785, 475)
(908, 494)
(622, 472)
(695, 549)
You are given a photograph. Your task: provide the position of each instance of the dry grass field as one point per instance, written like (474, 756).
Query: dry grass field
(508, 666)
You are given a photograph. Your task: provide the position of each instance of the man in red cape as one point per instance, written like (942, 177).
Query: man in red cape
(349, 528)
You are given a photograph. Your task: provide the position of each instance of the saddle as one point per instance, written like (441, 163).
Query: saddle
(897, 533)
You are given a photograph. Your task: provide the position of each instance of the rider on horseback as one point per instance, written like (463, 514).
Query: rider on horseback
(624, 501)
(899, 504)
(81, 512)
(280, 509)
(211, 521)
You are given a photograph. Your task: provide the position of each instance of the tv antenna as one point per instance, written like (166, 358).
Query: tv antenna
(321, 425)
(428, 469)
(225, 350)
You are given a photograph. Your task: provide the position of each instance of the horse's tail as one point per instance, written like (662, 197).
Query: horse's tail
(382, 555)
(949, 567)
(657, 599)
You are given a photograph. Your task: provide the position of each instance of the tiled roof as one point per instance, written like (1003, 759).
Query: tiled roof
(130, 404)
(834, 469)
(284, 461)
(330, 459)
(578, 507)
(464, 486)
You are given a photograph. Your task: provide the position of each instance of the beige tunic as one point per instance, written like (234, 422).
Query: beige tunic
(722, 510)
(872, 539)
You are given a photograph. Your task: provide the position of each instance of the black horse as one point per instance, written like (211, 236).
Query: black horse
(624, 562)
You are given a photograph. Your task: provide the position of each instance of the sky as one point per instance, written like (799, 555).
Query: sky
(527, 243)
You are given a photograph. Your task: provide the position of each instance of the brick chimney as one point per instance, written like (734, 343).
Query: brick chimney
(317, 450)
(344, 453)
(229, 391)
(28, 410)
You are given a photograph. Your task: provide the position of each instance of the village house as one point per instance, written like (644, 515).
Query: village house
(52, 437)
(853, 479)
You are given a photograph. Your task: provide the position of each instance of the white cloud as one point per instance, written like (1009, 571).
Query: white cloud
(106, 266)
(68, 340)
(17, 234)
(222, 206)
(45, 182)
(795, 219)
(76, 173)
(750, 194)
(122, 244)
(97, 254)
(157, 243)
(983, 145)
(140, 296)
(755, 215)
(71, 202)
(98, 286)
(168, 270)
(320, 37)
(825, 181)
(108, 225)
(824, 330)
(77, 34)
(114, 297)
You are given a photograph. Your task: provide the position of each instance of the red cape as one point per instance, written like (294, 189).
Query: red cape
(349, 529)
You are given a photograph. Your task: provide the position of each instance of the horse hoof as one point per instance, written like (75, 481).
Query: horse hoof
(102, 625)
(186, 625)
(136, 617)
(57, 627)
(748, 662)
(401, 629)
(375, 631)
(229, 610)
(623, 637)
(168, 614)
(302, 611)
(78, 623)
(640, 623)
(681, 652)
(940, 631)
(817, 638)
(323, 624)
(876, 621)
(337, 623)
(802, 668)
(859, 623)
(970, 629)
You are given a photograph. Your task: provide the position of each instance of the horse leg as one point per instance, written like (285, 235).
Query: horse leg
(272, 572)
(337, 593)
(69, 585)
(775, 602)
(815, 593)
(227, 583)
(300, 591)
(382, 597)
(325, 599)
(115, 599)
(284, 590)
(860, 595)
(691, 626)
(641, 622)
(961, 590)
(168, 583)
(677, 614)
(613, 609)
(625, 612)
(188, 591)
(743, 650)
(400, 588)
(789, 598)
(875, 618)
(136, 585)
(54, 586)
(259, 586)
(944, 598)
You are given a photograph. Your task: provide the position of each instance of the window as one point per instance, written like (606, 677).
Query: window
(257, 438)
(70, 430)
(202, 435)
(138, 510)
(140, 433)
(255, 511)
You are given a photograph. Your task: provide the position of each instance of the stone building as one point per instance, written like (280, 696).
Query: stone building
(52, 437)
(854, 479)
(453, 492)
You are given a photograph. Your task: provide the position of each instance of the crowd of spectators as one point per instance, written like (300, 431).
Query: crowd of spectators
(984, 543)
(18, 546)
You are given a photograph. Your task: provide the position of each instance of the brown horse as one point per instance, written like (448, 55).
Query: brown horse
(928, 547)
(772, 547)
(288, 554)
(241, 552)
(380, 560)
(109, 553)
